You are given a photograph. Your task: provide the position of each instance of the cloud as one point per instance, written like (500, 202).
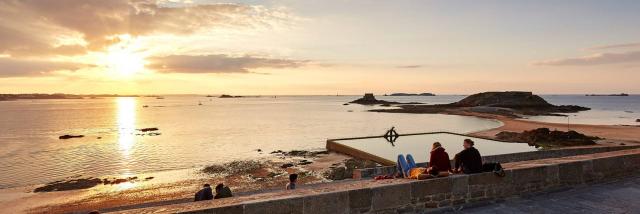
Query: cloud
(219, 63)
(36, 27)
(409, 66)
(19, 67)
(597, 59)
(616, 46)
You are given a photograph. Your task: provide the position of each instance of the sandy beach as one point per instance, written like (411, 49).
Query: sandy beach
(628, 134)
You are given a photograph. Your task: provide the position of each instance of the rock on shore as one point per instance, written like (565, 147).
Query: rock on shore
(546, 137)
(67, 136)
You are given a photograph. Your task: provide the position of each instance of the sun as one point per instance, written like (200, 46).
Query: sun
(124, 62)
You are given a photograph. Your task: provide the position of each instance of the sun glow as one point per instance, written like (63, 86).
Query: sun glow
(124, 62)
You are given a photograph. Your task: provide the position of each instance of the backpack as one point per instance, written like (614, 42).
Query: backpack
(494, 167)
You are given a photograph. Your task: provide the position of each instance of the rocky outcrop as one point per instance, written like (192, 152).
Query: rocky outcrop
(509, 103)
(345, 169)
(84, 183)
(515, 100)
(67, 136)
(228, 96)
(369, 99)
(638, 120)
(545, 137)
(509, 99)
(148, 129)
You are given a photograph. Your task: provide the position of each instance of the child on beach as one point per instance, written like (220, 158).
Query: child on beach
(293, 178)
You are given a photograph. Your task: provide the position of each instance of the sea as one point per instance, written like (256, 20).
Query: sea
(195, 130)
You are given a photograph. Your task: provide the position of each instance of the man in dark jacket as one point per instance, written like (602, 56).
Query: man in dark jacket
(468, 160)
(205, 193)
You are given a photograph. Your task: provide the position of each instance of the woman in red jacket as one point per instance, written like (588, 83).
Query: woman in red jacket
(439, 158)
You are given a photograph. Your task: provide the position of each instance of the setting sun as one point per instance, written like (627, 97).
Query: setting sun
(124, 62)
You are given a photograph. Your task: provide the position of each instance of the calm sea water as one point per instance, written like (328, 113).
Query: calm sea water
(219, 130)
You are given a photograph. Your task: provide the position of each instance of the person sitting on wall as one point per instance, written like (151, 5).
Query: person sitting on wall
(468, 161)
(439, 158)
(204, 194)
(222, 191)
(432, 172)
(293, 179)
(406, 165)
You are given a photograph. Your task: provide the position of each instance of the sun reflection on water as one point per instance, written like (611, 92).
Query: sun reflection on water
(126, 118)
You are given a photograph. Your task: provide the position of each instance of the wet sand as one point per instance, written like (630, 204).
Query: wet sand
(168, 187)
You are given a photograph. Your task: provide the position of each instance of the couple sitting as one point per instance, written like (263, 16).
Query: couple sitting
(467, 161)
(439, 165)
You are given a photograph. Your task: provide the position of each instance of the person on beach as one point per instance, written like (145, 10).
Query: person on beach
(293, 179)
(468, 161)
(204, 194)
(222, 191)
(439, 159)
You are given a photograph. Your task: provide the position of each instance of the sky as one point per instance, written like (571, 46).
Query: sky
(319, 47)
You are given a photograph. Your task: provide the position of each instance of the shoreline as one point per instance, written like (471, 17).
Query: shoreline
(166, 188)
(628, 134)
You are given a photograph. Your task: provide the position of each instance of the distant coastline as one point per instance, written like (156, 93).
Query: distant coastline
(609, 95)
(410, 94)
(35, 96)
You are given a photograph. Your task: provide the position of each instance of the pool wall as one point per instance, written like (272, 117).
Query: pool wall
(335, 146)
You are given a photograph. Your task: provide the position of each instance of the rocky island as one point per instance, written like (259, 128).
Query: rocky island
(410, 94)
(610, 95)
(509, 103)
(228, 96)
(369, 99)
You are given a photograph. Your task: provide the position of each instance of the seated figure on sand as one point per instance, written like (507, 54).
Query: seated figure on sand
(204, 194)
(293, 178)
(223, 191)
(468, 161)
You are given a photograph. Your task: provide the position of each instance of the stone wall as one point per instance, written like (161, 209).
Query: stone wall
(441, 194)
(504, 158)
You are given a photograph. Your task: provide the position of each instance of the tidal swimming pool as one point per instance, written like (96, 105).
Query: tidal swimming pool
(419, 145)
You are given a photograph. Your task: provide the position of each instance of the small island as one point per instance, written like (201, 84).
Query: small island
(228, 96)
(508, 103)
(369, 99)
(410, 94)
(608, 95)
